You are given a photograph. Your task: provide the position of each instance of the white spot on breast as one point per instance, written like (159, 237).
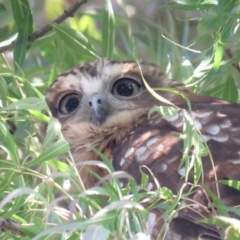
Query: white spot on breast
(212, 129)
(195, 205)
(141, 154)
(141, 150)
(173, 159)
(160, 146)
(122, 161)
(204, 114)
(162, 167)
(226, 123)
(151, 141)
(182, 171)
(129, 152)
(222, 138)
(151, 221)
(173, 118)
(149, 186)
(205, 117)
(220, 115)
(234, 129)
(177, 123)
(204, 138)
(198, 124)
(235, 161)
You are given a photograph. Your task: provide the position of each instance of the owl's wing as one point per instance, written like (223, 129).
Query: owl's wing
(157, 144)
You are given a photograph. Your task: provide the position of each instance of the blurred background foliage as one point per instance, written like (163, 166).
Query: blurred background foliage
(195, 42)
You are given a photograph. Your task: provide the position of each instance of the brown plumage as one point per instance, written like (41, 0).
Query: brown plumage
(105, 104)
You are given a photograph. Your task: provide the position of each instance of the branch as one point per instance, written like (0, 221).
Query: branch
(230, 56)
(41, 32)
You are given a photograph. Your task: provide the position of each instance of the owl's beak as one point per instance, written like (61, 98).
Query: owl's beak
(99, 109)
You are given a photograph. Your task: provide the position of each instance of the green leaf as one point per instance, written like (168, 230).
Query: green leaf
(2, 8)
(6, 181)
(96, 232)
(108, 30)
(232, 183)
(210, 22)
(24, 23)
(75, 40)
(217, 203)
(218, 54)
(231, 226)
(53, 130)
(61, 166)
(31, 103)
(186, 7)
(230, 91)
(7, 144)
(57, 149)
(3, 91)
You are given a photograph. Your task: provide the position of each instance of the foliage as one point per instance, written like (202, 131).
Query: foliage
(196, 42)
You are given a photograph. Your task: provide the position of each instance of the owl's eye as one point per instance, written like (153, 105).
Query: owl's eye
(126, 87)
(69, 103)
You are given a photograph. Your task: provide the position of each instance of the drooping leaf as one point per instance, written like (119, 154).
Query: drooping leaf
(24, 23)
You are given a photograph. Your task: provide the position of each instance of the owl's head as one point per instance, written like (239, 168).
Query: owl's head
(105, 93)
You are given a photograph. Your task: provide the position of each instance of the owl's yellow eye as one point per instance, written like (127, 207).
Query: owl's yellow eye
(69, 103)
(126, 87)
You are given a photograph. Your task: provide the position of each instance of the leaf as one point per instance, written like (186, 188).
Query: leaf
(210, 22)
(53, 130)
(231, 226)
(190, 7)
(32, 103)
(75, 40)
(6, 181)
(230, 91)
(108, 30)
(96, 232)
(217, 203)
(2, 8)
(218, 54)
(24, 23)
(232, 183)
(57, 149)
(3, 91)
(7, 144)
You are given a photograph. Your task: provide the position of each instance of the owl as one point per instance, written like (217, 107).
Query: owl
(105, 104)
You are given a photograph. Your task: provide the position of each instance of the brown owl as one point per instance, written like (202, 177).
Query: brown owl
(105, 104)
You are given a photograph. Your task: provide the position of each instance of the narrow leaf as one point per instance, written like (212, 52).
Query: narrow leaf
(53, 130)
(24, 23)
(57, 149)
(31, 103)
(108, 30)
(7, 143)
(75, 40)
(230, 91)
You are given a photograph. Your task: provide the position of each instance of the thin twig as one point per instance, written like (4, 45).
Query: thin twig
(41, 32)
(230, 56)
